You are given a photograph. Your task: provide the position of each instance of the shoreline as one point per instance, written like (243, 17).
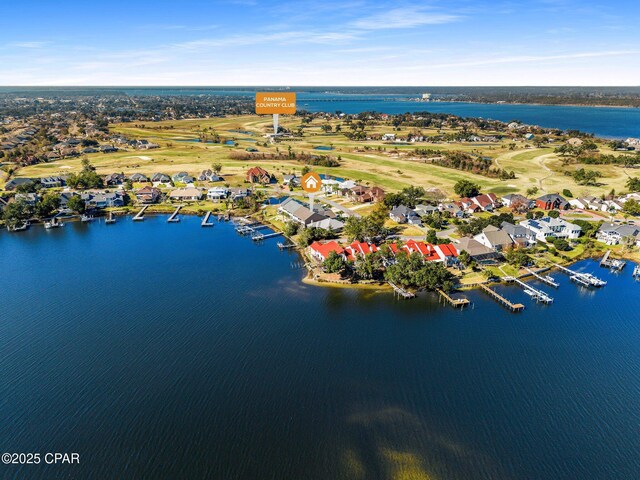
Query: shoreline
(381, 287)
(505, 102)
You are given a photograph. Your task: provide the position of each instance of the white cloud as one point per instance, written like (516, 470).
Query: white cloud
(408, 17)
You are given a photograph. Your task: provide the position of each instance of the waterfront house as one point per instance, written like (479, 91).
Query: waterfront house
(259, 175)
(216, 194)
(238, 193)
(186, 194)
(389, 137)
(494, 238)
(547, 227)
(519, 234)
(320, 251)
(147, 195)
(103, 199)
(403, 214)
(64, 198)
(614, 234)
(359, 249)
(332, 224)
(446, 253)
(299, 213)
(552, 201)
(477, 251)
(28, 198)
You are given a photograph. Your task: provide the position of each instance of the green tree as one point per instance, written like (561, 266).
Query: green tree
(334, 263)
(48, 204)
(76, 204)
(16, 213)
(291, 228)
(632, 207)
(553, 214)
(633, 184)
(464, 258)
(466, 188)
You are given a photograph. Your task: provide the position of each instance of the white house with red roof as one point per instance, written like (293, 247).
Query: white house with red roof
(446, 253)
(320, 251)
(359, 249)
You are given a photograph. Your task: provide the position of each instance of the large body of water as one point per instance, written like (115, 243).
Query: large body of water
(166, 351)
(608, 122)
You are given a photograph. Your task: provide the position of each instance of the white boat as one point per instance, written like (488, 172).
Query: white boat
(86, 218)
(53, 223)
(21, 228)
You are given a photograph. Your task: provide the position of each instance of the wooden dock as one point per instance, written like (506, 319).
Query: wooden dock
(514, 307)
(537, 295)
(546, 279)
(257, 237)
(205, 221)
(174, 218)
(287, 246)
(401, 292)
(454, 302)
(612, 263)
(111, 219)
(584, 279)
(140, 215)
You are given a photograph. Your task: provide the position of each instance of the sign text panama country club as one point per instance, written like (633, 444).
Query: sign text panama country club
(268, 103)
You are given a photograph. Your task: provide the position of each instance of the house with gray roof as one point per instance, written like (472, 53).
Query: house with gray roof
(299, 213)
(402, 214)
(614, 233)
(519, 234)
(494, 238)
(479, 252)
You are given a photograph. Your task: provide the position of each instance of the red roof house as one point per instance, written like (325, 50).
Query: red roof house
(321, 251)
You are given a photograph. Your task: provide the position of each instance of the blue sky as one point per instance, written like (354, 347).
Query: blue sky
(349, 42)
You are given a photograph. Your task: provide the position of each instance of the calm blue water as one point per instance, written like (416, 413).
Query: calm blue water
(611, 122)
(169, 351)
(607, 122)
